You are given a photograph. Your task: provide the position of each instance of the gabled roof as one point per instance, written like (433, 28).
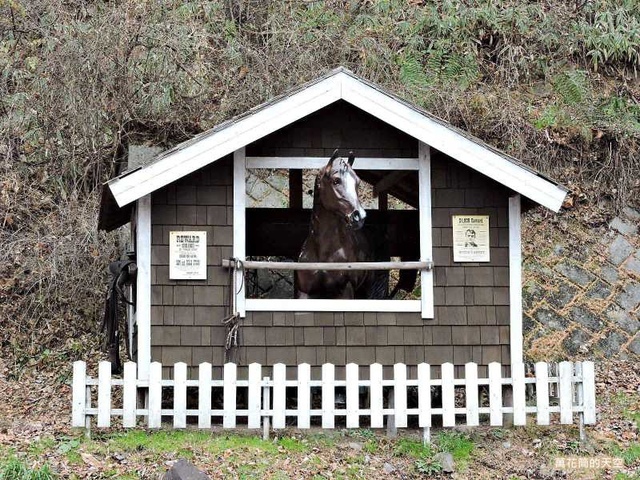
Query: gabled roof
(339, 84)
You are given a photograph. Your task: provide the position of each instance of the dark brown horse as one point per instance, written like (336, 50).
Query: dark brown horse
(335, 235)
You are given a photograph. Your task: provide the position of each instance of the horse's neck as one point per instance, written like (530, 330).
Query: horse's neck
(331, 234)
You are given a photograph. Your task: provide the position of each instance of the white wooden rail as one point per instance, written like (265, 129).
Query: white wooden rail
(267, 400)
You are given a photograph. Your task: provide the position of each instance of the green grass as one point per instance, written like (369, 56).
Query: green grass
(293, 445)
(459, 445)
(413, 449)
(13, 468)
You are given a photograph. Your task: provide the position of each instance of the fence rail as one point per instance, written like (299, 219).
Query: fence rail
(462, 401)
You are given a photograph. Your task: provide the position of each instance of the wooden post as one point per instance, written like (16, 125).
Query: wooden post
(295, 188)
(266, 399)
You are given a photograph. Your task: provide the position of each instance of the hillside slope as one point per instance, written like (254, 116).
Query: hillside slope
(553, 83)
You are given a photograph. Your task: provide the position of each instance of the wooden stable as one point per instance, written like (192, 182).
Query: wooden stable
(467, 311)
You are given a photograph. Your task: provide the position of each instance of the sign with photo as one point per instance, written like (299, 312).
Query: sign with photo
(470, 238)
(188, 255)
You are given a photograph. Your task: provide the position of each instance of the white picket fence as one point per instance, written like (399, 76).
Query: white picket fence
(573, 387)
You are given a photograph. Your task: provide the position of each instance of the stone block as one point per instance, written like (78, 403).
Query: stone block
(611, 344)
(576, 342)
(551, 319)
(631, 213)
(625, 320)
(634, 346)
(575, 273)
(586, 318)
(619, 250)
(183, 470)
(624, 227)
(629, 297)
(632, 265)
(599, 290)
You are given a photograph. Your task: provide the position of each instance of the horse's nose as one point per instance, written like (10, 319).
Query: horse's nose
(356, 219)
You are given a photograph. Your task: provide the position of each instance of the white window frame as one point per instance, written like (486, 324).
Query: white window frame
(422, 165)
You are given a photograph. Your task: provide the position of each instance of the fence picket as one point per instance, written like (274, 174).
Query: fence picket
(279, 394)
(589, 392)
(471, 393)
(424, 395)
(104, 394)
(519, 396)
(229, 395)
(78, 407)
(375, 395)
(154, 419)
(495, 394)
(204, 395)
(542, 393)
(180, 395)
(328, 395)
(400, 394)
(304, 395)
(448, 396)
(353, 398)
(255, 395)
(581, 375)
(566, 392)
(129, 396)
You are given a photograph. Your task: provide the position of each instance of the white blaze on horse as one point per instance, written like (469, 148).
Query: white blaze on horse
(335, 235)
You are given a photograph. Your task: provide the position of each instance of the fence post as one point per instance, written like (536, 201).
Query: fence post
(204, 395)
(266, 399)
(129, 395)
(580, 400)
(104, 394)
(254, 400)
(78, 410)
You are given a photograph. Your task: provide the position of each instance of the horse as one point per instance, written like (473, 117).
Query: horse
(336, 235)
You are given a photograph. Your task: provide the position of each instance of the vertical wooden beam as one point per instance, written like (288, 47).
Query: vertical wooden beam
(143, 284)
(295, 188)
(383, 201)
(515, 279)
(426, 235)
(239, 229)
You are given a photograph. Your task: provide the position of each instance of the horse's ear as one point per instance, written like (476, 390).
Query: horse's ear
(352, 159)
(334, 155)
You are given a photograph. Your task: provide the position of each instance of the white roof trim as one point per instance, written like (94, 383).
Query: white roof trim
(340, 85)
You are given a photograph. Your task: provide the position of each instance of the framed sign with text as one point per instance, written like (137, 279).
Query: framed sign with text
(471, 238)
(188, 255)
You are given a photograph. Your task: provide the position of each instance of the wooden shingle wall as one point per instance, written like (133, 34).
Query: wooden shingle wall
(471, 299)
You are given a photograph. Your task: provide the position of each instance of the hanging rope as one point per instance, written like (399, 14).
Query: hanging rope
(231, 320)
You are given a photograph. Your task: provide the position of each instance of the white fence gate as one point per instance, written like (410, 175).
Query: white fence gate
(464, 400)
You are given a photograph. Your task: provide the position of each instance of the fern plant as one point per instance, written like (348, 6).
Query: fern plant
(572, 86)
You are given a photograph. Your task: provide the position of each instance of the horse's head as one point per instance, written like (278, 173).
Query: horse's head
(337, 190)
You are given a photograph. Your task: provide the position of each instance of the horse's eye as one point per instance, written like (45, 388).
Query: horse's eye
(337, 181)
